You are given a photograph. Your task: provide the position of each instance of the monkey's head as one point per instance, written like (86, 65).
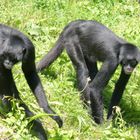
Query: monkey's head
(129, 57)
(13, 52)
(129, 65)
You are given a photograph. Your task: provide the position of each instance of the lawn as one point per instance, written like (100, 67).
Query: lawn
(42, 21)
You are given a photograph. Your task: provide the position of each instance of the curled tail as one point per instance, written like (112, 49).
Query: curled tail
(50, 56)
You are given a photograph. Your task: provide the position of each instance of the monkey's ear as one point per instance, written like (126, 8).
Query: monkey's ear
(24, 50)
(120, 58)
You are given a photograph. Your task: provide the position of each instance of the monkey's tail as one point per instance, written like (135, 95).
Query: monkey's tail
(51, 56)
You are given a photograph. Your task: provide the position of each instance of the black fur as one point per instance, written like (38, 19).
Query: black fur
(87, 42)
(16, 47)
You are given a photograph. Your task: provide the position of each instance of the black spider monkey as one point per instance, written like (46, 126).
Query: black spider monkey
(16, 47)
(87, 42)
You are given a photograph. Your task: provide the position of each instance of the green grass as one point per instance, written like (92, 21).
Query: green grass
(42, 21)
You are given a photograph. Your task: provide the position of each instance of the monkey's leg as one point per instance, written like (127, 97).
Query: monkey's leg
(92, 68)
(76, 55)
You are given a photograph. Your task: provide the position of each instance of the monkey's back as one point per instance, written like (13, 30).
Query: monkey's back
(95, 38)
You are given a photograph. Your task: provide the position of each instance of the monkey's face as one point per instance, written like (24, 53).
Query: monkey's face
(9, 61)
(12, 50)
(12, 57)
(8, 64)
(129, 65)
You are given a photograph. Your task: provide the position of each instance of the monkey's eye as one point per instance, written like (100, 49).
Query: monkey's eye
(124, 62)
(133, 63)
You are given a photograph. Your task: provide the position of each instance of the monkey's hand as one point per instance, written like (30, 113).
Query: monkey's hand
(58, 120)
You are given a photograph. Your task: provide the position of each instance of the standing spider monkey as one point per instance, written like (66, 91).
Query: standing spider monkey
(16, 47)
(87, 42)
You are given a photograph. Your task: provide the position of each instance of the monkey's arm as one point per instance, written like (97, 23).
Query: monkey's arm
(28, 67)
(97, 85)
(118, 92)
(37, 126)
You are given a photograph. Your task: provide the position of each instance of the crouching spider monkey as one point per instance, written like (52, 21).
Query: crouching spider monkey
(16, 47)
(87, 42)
